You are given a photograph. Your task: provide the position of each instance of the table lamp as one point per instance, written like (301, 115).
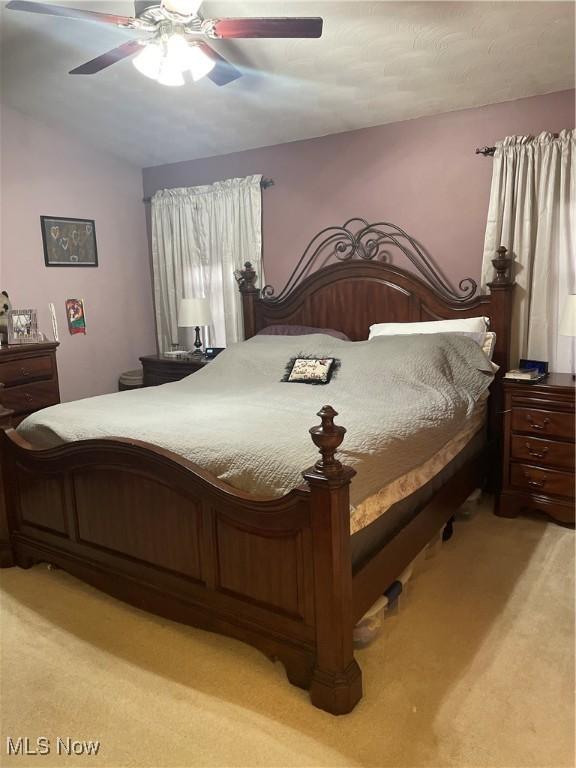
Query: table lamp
(568, 321)
(194, 313)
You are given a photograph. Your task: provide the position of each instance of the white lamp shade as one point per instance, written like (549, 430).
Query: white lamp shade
(568, 317)
(193, 312)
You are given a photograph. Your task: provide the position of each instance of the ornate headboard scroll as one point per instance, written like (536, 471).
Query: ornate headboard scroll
(357, 239)
(357, 285)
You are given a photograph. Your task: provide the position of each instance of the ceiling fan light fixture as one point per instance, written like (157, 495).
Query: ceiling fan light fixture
(178, 52)
(149, 61)
(200, 64)
(170, 74)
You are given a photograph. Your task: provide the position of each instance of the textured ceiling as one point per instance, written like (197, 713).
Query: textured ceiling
(377, 62)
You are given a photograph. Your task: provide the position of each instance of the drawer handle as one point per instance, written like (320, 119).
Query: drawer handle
(537, 454)
(534, 483)
(24, 372)
(28, 397)
(535, 424)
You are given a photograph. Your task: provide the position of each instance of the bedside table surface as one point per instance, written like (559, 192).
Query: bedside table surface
(196, 360)
(552, 381)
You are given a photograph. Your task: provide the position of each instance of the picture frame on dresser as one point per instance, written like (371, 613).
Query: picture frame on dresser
(23, 326)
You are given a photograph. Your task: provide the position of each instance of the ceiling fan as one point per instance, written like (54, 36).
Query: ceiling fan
(176, 38)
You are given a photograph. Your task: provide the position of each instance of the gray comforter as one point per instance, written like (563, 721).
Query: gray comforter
(401, 398)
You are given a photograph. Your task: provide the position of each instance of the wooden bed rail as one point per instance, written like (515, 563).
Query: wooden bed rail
(157, 531)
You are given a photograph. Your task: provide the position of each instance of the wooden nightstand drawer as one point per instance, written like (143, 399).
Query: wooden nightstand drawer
(27, 369)
(543, 423)
(537, 450)
(162, 370)
(31, 397)
(545, 481)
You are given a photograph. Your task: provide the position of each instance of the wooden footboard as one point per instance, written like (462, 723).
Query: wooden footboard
(157, 531)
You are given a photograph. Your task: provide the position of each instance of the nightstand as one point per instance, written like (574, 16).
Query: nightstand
(158, 369)
(538, 456)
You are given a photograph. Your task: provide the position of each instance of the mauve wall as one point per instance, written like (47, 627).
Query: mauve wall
(420, 174)
(45, 172)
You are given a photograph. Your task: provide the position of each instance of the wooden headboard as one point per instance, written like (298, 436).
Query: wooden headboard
(358, 286)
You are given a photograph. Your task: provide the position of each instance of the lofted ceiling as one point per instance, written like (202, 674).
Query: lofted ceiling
(377, 62)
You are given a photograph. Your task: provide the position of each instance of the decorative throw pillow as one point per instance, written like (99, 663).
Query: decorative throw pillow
(310, 370)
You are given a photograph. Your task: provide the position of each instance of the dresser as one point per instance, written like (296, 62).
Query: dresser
(161, 370)
(29, 374)
(538, 456)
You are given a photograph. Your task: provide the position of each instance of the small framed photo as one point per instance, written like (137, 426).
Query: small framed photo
(23, 326)
(69, 242)
(76, 316)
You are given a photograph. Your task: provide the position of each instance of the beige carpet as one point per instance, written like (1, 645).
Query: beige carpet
(475, 669)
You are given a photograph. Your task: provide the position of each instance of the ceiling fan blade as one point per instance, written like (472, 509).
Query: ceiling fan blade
(271, 27)
(224, 72)
(71, 13)
(107, 59)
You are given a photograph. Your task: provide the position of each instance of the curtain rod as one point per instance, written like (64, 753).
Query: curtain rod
(489, 151)
(264, 183)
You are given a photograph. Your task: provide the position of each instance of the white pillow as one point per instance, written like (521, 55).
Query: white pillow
(470, 324)
(489, 344)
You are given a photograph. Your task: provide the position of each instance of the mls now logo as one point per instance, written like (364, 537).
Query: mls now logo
(23, 745)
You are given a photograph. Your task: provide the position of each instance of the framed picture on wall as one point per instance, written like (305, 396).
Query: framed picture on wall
(69, 242)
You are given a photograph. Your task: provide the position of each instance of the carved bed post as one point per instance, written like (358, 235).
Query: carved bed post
(247, 283)
(502, 294)
(337, 680)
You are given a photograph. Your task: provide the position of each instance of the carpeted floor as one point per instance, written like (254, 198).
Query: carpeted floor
(475, 669)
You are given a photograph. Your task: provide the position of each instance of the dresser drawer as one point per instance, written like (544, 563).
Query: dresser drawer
(27, 369)
(540, 422)
(543, 481)
(537, 450)
(31, 397)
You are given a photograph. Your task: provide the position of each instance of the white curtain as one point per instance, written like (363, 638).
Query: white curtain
(532, 212)
(200, 235)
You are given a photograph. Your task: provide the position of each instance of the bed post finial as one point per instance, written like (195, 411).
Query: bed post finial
(502, 264)
(327, 437)
(246, 279)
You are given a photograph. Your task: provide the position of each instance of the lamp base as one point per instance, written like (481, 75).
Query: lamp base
(197, 342)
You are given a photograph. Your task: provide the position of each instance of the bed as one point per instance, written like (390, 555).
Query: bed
(283, 572)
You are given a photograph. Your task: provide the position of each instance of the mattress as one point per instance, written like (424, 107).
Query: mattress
(370, 539)
(239, 419)
(380, 502)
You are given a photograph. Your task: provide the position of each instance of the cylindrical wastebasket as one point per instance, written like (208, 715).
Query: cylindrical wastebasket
(130, 380)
